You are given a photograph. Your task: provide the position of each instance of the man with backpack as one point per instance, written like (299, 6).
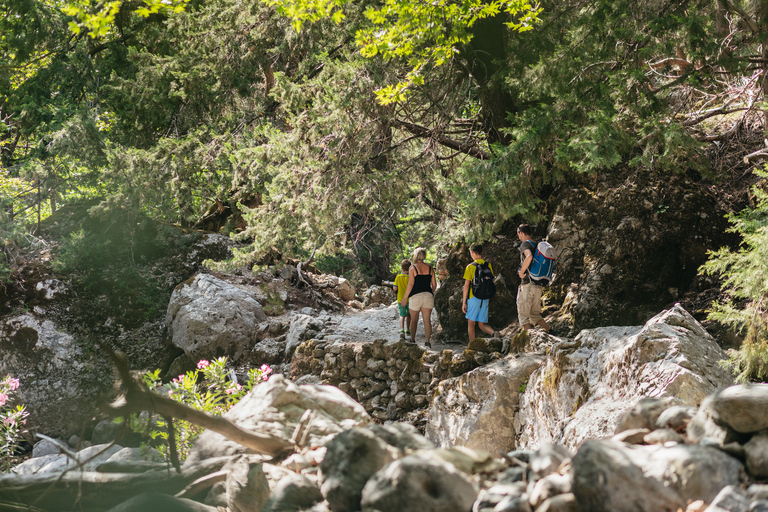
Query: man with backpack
(529, 292)
(478, 289)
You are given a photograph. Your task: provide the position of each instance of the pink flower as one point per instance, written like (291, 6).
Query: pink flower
(10, 420)
(230, 391)
(266, 369)
(12, 383)
(3, 398)
(202, 364)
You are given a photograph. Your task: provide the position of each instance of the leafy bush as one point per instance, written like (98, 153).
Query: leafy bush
(745, 282)
(13, 419)
(209, 388)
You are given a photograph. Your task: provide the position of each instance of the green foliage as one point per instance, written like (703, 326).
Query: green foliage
(208, 389)
(12, 421)
(425, 34)
(745, 282)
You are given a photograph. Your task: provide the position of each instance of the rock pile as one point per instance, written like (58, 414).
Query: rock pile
(389, 378)
(662, 457)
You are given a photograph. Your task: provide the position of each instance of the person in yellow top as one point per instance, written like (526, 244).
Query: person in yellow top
(476, 310)
(401, 283)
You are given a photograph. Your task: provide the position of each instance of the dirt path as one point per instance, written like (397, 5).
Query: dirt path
(379, 323)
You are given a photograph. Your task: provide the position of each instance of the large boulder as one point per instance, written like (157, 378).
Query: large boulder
(608, 476)
(352, 458)
(60, 379)
(209, 318)
(418, 484)
(476, 409)
(587, 384)
(276, 407)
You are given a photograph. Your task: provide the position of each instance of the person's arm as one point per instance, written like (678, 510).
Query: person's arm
(465, 296)
(526, 263)
(411, 279)
(434, 282)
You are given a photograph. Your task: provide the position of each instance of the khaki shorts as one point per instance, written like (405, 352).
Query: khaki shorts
(421, 300)
(529, 304)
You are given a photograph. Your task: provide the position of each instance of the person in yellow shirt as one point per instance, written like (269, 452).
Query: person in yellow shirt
(401, 283)
(476, 310)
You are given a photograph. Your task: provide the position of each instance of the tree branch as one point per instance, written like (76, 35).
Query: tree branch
(138, 398)
(422, 131)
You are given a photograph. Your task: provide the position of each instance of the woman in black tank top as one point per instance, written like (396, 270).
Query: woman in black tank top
(419, 294)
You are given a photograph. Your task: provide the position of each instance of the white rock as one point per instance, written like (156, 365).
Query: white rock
(275, 407)
(587, 384)
(475, 410)
(209, 318)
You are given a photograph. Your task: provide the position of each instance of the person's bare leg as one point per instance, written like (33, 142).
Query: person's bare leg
(543, 324)
(471, 329)
(414, 323)
(527, 327)
(485, 328)
(426, 316)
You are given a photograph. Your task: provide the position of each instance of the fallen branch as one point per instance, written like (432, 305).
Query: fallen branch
(757, 155)
(138, 398)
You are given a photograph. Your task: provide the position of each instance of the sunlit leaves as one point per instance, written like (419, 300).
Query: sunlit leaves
(424, 33)
(98, 19)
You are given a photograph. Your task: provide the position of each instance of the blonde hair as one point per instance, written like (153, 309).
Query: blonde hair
(419, 254)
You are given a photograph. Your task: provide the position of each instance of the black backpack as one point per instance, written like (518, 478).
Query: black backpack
(483, 286)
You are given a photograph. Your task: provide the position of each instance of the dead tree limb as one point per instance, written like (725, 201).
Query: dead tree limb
(138, 398)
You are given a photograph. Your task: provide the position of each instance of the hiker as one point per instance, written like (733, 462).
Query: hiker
(419, 296)
(476, 309)
(529, 293)
(401, 284)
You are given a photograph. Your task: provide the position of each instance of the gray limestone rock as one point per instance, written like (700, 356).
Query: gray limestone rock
(475, 410)
(561, 503)
(611, 476)
(730, 499)
(60, 381)
(744, 408)
(503, 497)
(293, 493)
(90, 458)
(756, 451)
(209, 318)
(45, 447)
(549, 487)
(246, 486)
(415, 484)
(644, 414)
(548, 458)
(587, 384)
(403, 436)
(275, 407)
(605, 479)
(352, 458)
(303, 327)
(676, 417)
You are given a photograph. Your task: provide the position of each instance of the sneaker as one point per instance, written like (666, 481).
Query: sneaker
(407, 332)
(496, 334)
(428, 344)
(402, 334)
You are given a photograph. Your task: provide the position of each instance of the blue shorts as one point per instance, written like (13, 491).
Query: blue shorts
(477, 310)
